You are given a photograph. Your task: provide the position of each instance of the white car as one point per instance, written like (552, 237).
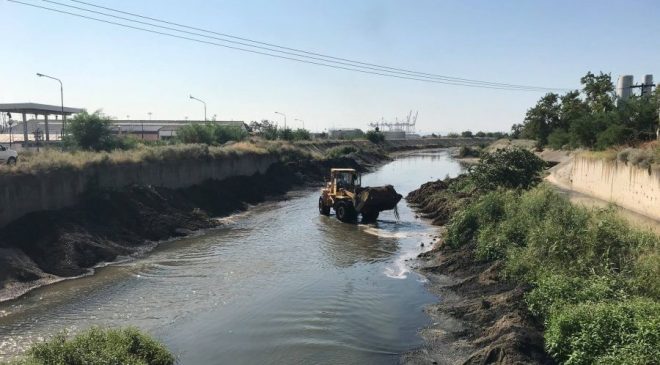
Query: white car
(7, 156)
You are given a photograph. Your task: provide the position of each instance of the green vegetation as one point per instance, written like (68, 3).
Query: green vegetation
(465, 152)
(341, 151)
(598, 120)
(270, 131)
(376, 137)
(593, 278)
(210, 133)
(98, 346)
(91, 132)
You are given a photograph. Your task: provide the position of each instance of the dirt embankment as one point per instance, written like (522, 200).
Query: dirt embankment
(45, 246)
(480, 318)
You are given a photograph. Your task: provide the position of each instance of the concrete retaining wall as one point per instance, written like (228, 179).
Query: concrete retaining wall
(623, 184)
(23, 194)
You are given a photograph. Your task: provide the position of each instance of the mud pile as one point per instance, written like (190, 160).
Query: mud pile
(481, 317)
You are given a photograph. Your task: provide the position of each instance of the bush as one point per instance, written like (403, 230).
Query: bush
(514, 168)
(553, 291)
(90, 132)
(627, 332)
(558, 139)
(615, 134)
(466, 151)
(97, 346)
(301, 135)
(285, 134)
(341, 151)
(375, 137)
(210, 133)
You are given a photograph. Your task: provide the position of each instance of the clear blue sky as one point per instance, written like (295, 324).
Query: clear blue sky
(126, 72)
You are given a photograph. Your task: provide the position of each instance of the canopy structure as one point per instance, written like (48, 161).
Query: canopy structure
(38, 109)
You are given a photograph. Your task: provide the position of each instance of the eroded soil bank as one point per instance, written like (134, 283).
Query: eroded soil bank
(47, 246)
(480, 318)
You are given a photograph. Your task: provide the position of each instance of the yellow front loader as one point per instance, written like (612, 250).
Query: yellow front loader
(344, 193)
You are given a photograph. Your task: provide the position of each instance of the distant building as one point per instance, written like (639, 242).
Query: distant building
(345, 133)
(394, 135)
(153, 130)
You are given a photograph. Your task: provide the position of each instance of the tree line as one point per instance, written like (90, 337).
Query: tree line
(593, 118)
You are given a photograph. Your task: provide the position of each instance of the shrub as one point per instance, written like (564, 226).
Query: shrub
(552, 291)
(285, 134)
(513, 168)
(301, 135)
(90, 132)
(98, 346)
(626, 332)
(375, 137)
(341, 151)
(558, 139)
(466, 151)
(210, 133)
(615, 134)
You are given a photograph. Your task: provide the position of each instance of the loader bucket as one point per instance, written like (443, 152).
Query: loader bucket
(377, 199)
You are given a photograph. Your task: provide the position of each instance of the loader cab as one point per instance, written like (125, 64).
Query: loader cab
(344, 180)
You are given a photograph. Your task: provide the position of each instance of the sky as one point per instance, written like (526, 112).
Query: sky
(131, 73)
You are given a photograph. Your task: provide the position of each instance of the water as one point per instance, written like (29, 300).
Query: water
(278, 284)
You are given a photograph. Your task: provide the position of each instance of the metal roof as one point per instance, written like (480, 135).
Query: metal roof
(34, 108)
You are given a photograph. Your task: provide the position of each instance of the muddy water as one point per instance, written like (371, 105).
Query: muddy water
(278, 284)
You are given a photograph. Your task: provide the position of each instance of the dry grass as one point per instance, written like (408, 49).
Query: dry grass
(49, 160)
(52, 160)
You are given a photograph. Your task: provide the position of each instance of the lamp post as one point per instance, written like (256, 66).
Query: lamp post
(61, 99)
(301, 121)
(284, 115)
(201, 101)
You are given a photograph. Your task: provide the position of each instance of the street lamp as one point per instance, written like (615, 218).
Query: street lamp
(201, 101)
(301, 121)
(61, 99)
(284, 115)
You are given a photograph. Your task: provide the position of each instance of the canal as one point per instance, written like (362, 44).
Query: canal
(276, 284)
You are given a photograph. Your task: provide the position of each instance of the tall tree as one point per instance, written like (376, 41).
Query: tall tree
(540, 119)
(599, 91)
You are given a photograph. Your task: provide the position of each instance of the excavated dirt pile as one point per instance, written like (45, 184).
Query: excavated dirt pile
(481, 318)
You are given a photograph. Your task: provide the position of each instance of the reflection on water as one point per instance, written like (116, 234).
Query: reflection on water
(279, 284)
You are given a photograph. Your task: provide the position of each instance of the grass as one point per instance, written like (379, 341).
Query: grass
(98, 346)
(594, 277)
(644, 156)
(51, 159)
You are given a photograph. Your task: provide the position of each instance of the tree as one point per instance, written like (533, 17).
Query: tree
(375, 137)
(599, 91)
(511, 169)
(542, 118)
(466, 134)
(90, 132)
(301, 134)
(264, 129)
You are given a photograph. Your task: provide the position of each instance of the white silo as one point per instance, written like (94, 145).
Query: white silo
(647, 88)
(624, 87)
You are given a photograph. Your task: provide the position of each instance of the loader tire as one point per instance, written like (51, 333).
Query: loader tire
(345, 212)
(323, 209)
